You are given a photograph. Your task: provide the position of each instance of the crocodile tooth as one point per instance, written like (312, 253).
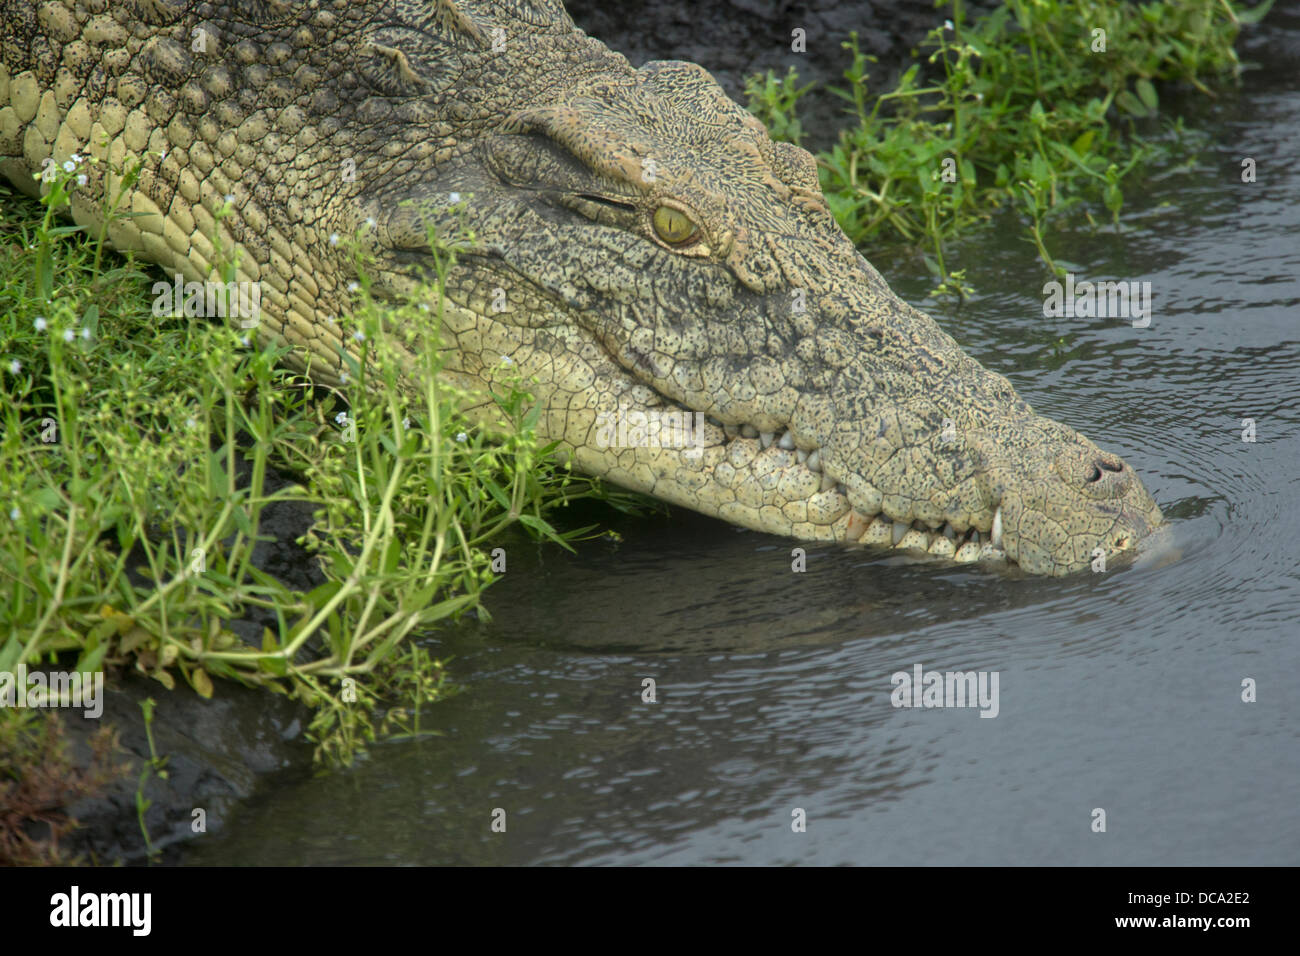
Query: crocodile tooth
(749, 431)
(997, 528)
(814, 462)
(765, 438)
(948, 531)
(974, 537)
(880, 533)
(801, 456)
(900, 528)
(787, 440)
(841, 489)
(914, 539)
(942, 546)
(828, 483)
(857, 525)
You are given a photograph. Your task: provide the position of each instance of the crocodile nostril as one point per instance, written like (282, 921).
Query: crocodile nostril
(1100, 465)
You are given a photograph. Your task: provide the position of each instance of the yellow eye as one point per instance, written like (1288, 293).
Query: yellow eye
(672, 225)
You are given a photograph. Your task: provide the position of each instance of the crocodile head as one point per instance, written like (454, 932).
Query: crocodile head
(639, 249)
(700, 329)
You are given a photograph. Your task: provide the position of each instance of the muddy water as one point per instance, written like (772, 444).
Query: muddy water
(1119, 691)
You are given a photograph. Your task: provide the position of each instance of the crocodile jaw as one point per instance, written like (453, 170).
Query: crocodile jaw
(1017, 488)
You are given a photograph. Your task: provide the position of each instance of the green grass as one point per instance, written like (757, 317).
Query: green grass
(134, 460)
(1027, 111)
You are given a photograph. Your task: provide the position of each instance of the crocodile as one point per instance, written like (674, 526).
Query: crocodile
(635, 246)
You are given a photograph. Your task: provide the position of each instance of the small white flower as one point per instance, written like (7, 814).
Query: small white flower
(453, 198)
(76, 157)
(334, 238)
(406, 422)
(15, 367)
(190, 423)
(461, 436)
(341, 418)
(329, 319)
(40, 323)
(69, 335)
(359, 335)
(85, 334)
(246, 342)
(507, 360)
(353, 287)
(15, 514)
(69, 165)
(81, 179)
(424, 307)
(370, 221)
(947, 24)
(344, 377)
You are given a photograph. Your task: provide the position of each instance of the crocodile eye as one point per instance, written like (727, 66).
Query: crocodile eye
(672, 225)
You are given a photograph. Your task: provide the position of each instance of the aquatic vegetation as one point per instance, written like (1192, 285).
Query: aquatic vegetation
(1043, 106)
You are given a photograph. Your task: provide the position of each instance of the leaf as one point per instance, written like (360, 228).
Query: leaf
(105, 628)
(1039, 170)
(242, 521)
(93, 660)
(317, 598)
(537, 524)
(1147, 94)
(1254, 15)
(1130, 104)
(201, 683)
(496, 491)
(10, 653)
(1083, 142)
(392, 556)
(273, 665)
(47, 498)
(1113, 197)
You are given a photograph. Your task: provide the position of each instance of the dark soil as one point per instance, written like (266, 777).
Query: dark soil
(735, 38)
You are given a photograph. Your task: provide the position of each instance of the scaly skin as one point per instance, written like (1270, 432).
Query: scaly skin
(764, 318)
